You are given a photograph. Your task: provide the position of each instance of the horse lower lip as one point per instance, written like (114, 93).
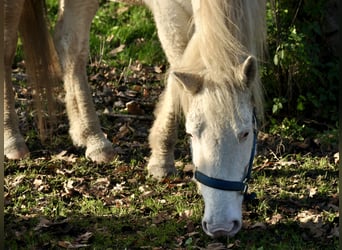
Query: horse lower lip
(220, 233)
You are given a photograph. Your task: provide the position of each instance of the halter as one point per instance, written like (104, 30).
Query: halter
(232, 185)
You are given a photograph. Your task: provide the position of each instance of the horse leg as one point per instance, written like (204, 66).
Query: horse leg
(163, 135)
(173, 32)
(173, 21)
(14, 143)
(72, 45)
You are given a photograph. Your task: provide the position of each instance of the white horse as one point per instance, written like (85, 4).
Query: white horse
(212, 47)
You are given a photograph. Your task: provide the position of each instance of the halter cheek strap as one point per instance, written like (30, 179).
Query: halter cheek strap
(232, 185)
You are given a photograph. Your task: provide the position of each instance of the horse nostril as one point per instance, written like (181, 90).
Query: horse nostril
(222, 230)
(236, 226)
(204, 226)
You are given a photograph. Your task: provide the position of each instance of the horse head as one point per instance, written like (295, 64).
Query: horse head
(221, 123)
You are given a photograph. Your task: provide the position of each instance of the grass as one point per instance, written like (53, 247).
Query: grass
(138, 35)
(57, 200)
(120, 208)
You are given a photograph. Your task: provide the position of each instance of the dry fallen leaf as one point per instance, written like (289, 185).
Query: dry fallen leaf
(215, 246)
(84, 238)
(40, 184)
(65, 171)
(189, 168)
(312, 191)
(158, 69)
(148, 194)
(64, 157)
(146, 92)
(103, 181)
(259, 225)
(123, 131)
(337, 157)
(134, 108)
(161, 217)
(37, 182)
(69, 245)
(186, 213)
(43, 223)
(17, 180)
(313, 222)
(275, 219)
(117, 50)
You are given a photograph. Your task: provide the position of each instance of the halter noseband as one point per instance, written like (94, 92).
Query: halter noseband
(232, 185)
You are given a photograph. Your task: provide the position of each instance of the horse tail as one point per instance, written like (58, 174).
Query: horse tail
(228, 32)
(41, 62)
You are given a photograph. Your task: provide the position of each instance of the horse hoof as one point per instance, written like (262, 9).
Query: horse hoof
(160, 172)
(101, 155)
(17, 153)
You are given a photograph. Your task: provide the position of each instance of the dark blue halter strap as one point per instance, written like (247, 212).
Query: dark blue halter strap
(218, 183)
(232, 185)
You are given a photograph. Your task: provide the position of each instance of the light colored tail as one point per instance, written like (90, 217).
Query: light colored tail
(42, 63)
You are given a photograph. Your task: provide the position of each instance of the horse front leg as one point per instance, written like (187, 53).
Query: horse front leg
(173, 22)
(14, 143)
(163, 134)
(72, 44)
(174, 32)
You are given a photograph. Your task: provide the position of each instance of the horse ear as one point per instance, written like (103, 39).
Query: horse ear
(248, 70)
(191, 82)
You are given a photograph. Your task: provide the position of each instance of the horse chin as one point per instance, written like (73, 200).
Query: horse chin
(216, 231)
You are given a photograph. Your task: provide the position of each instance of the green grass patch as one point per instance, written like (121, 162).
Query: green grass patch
(55, 202)
(121, 34)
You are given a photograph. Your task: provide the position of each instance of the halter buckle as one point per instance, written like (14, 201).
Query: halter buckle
(245, 189)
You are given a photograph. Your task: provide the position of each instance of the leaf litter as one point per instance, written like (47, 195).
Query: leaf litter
(124, 187)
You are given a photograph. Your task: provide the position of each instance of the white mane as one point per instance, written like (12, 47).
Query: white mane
(226, 33)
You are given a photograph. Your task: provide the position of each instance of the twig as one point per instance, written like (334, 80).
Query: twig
(137, 117)
(134, 2)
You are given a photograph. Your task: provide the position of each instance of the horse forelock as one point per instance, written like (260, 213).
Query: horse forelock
(222, 105)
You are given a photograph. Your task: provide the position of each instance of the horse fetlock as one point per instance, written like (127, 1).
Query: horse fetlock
(77, 137)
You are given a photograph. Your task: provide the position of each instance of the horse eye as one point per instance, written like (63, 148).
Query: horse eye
(243, 136)
(189, 135)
